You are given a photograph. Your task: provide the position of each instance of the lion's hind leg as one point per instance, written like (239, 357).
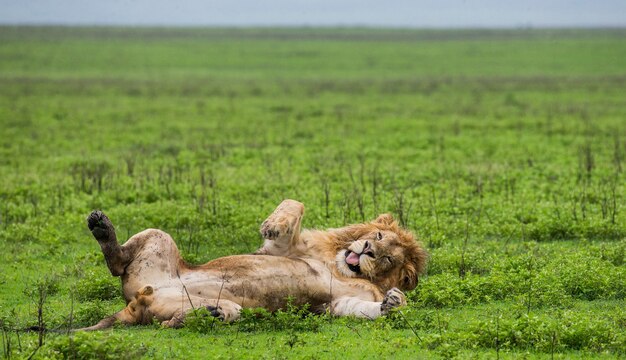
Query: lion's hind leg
(281, 230)
(102, 229)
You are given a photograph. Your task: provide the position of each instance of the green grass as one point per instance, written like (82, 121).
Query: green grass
(504, 151)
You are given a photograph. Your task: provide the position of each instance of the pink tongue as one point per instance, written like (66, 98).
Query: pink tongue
(352, 259)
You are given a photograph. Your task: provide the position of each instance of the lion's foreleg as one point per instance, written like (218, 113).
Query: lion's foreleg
(347, 306)
(354, 306)
(281, 230)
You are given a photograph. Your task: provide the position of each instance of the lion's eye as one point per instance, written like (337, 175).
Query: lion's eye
(379, 236)
(388, 260)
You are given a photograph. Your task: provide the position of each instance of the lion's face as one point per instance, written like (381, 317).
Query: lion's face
(384, 254)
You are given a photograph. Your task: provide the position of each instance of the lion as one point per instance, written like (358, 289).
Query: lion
(158, 284)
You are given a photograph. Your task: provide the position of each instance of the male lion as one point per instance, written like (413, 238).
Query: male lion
(158, 283)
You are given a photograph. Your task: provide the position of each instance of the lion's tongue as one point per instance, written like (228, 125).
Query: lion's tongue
(352, 259)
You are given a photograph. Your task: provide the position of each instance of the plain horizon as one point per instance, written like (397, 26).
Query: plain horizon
(395, 14)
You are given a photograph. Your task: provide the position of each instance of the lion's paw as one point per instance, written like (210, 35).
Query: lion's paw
(216, 312)
(175, 323)
(275, 227)
(100, 225)
(283, 221)
(393, 299)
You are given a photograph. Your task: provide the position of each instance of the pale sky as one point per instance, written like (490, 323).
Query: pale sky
(387, 13)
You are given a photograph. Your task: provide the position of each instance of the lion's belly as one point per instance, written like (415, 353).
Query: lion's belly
(156, 263)
(260, 281)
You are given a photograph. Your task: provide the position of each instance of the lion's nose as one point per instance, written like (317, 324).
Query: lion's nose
(368, 247)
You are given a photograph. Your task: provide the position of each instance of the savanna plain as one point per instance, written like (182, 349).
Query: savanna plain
(504, 151)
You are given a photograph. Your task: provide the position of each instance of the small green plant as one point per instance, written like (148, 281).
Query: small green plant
(48, 286)
(201, 321)
(89, 313)
(94, 286)
(615, 253)
(94, 345)
(296, 318)
(293, 339)
(568, 330)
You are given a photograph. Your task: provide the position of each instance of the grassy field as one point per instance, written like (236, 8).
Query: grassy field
(505, 151)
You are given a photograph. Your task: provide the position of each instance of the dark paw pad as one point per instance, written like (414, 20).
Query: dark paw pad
(94, 219)
(99, 224)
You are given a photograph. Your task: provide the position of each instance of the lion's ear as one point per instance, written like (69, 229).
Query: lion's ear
(414, 266)
(408, 278)
(386, 219)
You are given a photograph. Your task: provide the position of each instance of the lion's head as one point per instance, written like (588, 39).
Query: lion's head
(137, 310)
(382, 252)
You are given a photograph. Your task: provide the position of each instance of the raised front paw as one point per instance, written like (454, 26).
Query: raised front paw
(283, 221)
(274, 228)
(393, 299)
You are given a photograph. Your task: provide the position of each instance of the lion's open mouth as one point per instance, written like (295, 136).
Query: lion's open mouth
(353, 259)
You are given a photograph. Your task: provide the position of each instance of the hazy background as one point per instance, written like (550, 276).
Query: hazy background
(396, 13)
